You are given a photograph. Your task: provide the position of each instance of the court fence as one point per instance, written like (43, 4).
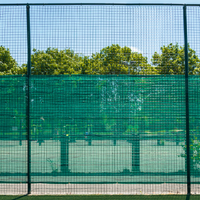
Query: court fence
(90, 133)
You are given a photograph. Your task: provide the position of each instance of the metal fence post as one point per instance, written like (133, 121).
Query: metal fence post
(135, 153)
(64, 153)
(28, 97)
(187, 101)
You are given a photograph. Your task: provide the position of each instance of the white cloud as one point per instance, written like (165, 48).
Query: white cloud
(134, 49)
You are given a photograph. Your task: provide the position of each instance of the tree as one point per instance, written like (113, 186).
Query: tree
(8, 65)
(111, 60)
(117, 60)
(55, 62)
(172, 60)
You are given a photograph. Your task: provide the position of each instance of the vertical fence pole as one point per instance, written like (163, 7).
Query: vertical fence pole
(28, 97)
(135, 143)
(63, 156)
(135, 153)
(187, 101)
(20, 133)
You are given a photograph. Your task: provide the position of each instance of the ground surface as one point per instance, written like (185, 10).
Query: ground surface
(103, 197)
(101, 189)
(100, 157)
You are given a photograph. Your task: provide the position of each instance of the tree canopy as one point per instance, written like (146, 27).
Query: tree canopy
(172, 60)
(110, 60)
(55, 62)
(118, 60)
(8, 65)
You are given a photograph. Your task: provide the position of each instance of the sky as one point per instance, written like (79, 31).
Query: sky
(102, 1)
(88, 29)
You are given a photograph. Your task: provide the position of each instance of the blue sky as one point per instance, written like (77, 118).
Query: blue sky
(88, 29)
(102, 1)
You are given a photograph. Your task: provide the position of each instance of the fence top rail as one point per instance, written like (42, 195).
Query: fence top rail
(101, 4)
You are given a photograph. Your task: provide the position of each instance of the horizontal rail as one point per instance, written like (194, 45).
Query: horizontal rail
(101, 4)
(98, 174)
(98, 137)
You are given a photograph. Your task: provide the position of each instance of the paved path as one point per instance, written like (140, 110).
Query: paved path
(39, 189)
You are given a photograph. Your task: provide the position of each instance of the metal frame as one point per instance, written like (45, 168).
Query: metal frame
(28, 6)
(28, 96)
(101, 4)
(187, 101)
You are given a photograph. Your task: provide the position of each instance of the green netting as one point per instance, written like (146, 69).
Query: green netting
(93, 129)
(13, 144)
(194, 127)
(194, 104)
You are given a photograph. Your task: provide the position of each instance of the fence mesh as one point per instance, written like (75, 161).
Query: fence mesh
(107, 99)
(193, 40)
(13, 144)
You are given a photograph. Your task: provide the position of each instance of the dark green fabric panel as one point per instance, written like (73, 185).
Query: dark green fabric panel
(13, 144)
(96, 128)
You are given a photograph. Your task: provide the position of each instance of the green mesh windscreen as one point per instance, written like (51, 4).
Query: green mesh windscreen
(194, 98)
(13, 143)
(96, 129)
(13, 139)
(106, 125)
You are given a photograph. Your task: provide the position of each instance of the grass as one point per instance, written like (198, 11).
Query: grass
(99, 197)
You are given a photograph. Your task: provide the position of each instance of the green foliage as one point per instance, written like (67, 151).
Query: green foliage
(116, 60)
(194, 151)
(55, 62)
(172, 60)
(8, 65)
(110, 60)
(132, 129)
(70, 129)
(108, 123)
(22, 69)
